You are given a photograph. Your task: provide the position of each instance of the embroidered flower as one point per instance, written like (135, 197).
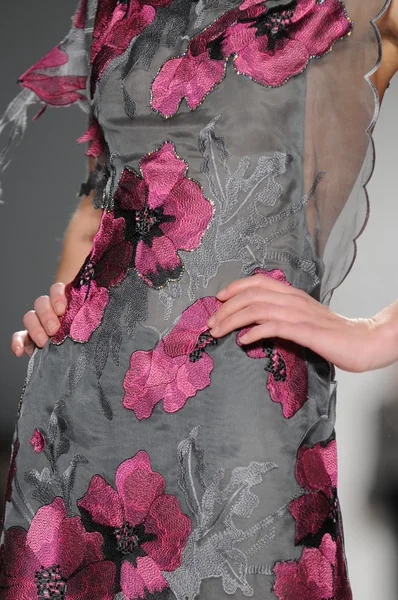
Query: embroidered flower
(270, 42)
(117, 22)
(164, 211)
(320, 574)
(144, 529)
(93, 135)
(38, 441)
(88, 294)
(288, 373)
(12, 470)
(57, 90)
(177, 368)
(56, 558)
(316, 472)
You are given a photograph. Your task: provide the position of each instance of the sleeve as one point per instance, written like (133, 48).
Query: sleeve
(58, 79)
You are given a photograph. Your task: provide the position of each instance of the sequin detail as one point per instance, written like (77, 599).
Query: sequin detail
(269, 45)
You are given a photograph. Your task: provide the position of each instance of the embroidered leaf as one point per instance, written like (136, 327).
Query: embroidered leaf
(116, 342)
(105, 405)
(101, 355)
(77, 369)
(187, 450)
(43, 485)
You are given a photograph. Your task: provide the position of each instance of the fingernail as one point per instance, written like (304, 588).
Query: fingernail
(215, 330)
(60, 307)
(211, 321)
(243, 338)
(41, 339)
(52, 326)
(18, 349)
(221, 293)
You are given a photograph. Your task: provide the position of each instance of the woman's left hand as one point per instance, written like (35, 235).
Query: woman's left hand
(274, 309)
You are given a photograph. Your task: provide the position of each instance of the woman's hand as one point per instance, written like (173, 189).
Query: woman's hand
(41, 322)
(275, 309)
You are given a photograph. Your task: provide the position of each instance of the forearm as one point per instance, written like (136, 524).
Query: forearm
(78, 239)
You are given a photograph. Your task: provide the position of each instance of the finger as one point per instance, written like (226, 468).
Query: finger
(254, 295)
(303, 333)
(46, 315)
(20, 342)
(254, 314)
(58, 298)
(35, 328)
(260, 280)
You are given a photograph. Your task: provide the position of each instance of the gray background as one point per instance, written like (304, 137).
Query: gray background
(40, 195)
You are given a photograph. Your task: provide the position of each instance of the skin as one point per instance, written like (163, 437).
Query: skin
(272, 308)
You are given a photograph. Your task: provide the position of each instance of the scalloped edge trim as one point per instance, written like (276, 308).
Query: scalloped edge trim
(369, 133)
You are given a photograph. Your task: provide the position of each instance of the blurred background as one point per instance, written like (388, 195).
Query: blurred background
(40, 190)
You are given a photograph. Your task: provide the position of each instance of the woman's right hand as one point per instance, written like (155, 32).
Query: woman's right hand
(40, 323)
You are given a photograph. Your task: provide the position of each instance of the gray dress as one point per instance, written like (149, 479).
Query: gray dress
(151, 460)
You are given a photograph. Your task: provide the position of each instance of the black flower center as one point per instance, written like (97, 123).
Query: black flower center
(205, 339)
(87, 273)
(129, 539)
(144, 224)
(274, 362)
(50, 583)
(146, 219)
(275, 22)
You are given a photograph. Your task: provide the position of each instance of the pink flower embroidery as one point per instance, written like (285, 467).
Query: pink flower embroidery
(56, 558)
(116, 24)
(288, 373)
(320, 574)
(164, 211)
(316, 472)
(93, 135)
(269, 44)
(88, 294)
(38, 441)
(56, 90)
(144, 529)
(177, 368)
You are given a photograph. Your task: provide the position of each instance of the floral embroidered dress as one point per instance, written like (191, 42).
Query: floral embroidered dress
(151, 461)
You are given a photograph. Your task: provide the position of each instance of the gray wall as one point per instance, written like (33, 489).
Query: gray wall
(40, 194)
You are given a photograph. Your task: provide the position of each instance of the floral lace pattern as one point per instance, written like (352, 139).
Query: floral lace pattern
(288, 374)
(56, 558)
(116, 24)
(321, 572)
(270, 43)
(164, 210)
(144, 529)
(87, 295)
(177, 368)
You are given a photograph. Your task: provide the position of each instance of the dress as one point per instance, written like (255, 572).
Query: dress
(151, 461)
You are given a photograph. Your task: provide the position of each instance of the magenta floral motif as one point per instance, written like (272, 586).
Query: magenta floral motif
(56, 558)
(320, 574)
(116, 24)
(88, 294)
(56, 90)
(38, 441)
(177, 368)
(144, 529)
(95, 137)
(316, 472)
(270, 44)
(288, 373)
(165, 211)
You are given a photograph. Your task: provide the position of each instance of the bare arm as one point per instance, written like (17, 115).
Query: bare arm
(78, 239)
(388, 26)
